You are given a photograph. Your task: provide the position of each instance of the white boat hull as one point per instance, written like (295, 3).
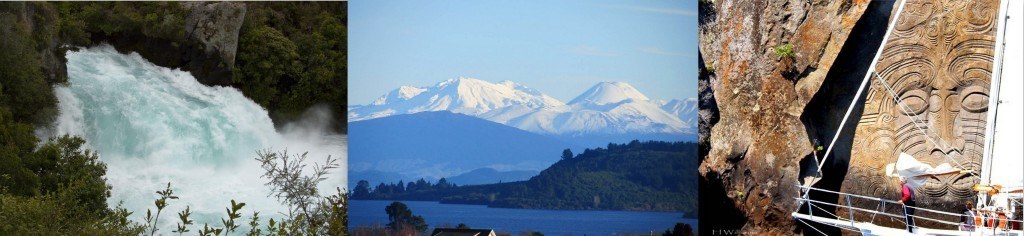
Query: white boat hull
(866, 228)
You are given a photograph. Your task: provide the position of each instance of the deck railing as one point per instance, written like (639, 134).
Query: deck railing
(881, 203)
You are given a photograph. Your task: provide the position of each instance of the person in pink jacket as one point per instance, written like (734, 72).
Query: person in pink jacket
(908, 200)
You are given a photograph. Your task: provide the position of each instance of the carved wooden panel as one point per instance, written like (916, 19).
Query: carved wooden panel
(937, 61)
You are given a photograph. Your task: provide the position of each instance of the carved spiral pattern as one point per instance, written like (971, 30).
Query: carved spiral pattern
(938, 61)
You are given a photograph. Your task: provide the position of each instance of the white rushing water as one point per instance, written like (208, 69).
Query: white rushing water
(153, 125)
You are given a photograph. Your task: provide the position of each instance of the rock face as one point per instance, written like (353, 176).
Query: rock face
(209, 43)
(213, 27)
(938, 62)
(760, 90)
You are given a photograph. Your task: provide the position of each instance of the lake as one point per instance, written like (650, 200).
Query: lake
(549, 222)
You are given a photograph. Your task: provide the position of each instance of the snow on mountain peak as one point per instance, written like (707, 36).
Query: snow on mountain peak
(605, 108)
(609, 92)
(407, 92)
(460, 95)
(685, 109)
(403, 93)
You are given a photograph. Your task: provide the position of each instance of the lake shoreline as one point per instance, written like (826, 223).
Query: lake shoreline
(555, 222)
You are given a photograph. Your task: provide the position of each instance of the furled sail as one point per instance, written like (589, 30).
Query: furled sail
(1004, 162)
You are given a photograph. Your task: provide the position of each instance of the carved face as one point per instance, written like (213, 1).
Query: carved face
(937, 62)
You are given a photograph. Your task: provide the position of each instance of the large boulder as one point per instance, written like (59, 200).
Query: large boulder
(765, 61)
(212, 28)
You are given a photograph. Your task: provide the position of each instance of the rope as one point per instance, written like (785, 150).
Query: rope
(878, 207)
(917, 125)
(812, 227)
(830, 213)
(822, 209)
(863, 84)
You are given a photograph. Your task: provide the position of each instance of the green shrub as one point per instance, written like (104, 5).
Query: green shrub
(784, 50)
(26, 94)
(267, 57)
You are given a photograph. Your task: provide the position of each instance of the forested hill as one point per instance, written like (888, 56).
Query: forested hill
(642, 176)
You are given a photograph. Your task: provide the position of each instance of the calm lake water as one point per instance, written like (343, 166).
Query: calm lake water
(549, 222)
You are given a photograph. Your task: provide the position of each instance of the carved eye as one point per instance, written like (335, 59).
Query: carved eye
(976, 102)
(915, 100)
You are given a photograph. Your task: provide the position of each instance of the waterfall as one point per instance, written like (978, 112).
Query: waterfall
(153, 125)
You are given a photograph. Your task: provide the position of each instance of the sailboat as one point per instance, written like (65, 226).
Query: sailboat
(1000, 189)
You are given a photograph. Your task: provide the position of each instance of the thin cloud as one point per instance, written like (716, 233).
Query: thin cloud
(590, 51)
(658, 10)
(659, 51)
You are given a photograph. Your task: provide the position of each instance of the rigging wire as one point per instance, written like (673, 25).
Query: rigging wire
(812, 227)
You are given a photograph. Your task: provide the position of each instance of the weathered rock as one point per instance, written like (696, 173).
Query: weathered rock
(758, 140)
(938, 61)
(212, 28)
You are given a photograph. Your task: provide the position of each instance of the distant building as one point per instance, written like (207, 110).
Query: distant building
(463, 232)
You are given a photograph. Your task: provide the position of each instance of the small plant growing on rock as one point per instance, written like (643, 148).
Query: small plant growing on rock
(784, 50)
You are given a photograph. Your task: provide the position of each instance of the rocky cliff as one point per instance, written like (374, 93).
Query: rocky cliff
(212, 28)
(764, 62)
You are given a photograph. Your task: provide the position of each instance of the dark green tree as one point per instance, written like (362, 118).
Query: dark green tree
(442, 184)
(566, 154)
(362, 189)
(399, 216)
(268, 57)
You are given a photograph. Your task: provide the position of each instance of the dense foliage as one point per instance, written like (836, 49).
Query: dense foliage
(653, 175)
(24, 90)
(292, 56)
(56, 189)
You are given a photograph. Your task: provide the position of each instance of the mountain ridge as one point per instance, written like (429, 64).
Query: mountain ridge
(606, 108)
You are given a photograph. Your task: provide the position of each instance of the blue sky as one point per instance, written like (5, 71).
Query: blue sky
(561, 48)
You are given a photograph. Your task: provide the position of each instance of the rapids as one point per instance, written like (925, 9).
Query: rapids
(153, 125)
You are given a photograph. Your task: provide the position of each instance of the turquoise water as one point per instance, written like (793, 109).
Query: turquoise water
(153, 125)
(548, 222)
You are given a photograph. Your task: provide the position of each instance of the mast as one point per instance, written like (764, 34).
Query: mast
(993, 102)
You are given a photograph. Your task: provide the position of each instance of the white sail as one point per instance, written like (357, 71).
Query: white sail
(1005, 161)
(916, 172)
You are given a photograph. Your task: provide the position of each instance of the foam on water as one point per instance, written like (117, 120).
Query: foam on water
(153, 125)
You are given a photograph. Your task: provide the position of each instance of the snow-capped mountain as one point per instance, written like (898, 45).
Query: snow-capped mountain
(686, 110)
(461, 95)
(608, 108)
